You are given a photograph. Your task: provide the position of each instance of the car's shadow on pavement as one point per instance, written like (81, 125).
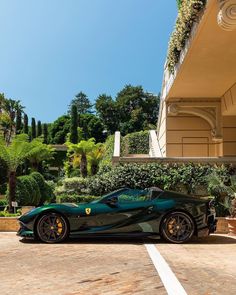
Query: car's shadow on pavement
(211, 240)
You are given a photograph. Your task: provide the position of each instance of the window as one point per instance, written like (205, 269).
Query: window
(133, 195)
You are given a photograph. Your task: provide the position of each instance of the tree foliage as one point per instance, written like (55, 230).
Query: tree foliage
(33, 128)
(133, 110)
(39, 129)
(107, 111)
(59, 129)
(82, 103)
(92, 126)
(45, 133)
(18, 121)
(26, 125)
(74, 124)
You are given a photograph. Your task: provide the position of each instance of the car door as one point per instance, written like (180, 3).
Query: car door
(124, 215)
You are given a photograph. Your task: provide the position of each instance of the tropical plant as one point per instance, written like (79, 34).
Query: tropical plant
(82, 149)
(8, 110)
(14, 155)
(95, 156)
(42, 152)
(225, 189)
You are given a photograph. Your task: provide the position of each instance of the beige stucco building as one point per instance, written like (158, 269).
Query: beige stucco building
(198, 108)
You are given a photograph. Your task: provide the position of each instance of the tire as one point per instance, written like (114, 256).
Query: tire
(177, 227)
(52, 228)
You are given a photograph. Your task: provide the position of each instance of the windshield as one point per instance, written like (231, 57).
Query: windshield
(126, 195)
(115, 193)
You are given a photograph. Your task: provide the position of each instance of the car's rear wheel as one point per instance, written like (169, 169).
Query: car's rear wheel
(52, 228)
(177, 227)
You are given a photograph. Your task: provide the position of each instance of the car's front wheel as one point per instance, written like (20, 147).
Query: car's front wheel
(52, 228)
(177, 227)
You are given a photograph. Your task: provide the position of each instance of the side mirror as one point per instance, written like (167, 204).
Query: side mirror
(112, 202)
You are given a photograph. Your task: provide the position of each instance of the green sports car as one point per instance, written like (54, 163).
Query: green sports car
(123, 213)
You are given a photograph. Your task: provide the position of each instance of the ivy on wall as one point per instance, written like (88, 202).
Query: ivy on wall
(189, 11)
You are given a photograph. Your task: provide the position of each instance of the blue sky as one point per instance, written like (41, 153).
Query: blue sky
(51, 50)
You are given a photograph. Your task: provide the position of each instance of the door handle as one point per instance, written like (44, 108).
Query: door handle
(150, 209)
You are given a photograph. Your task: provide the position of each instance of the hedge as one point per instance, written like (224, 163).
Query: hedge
(187, 178)
(108, 153)
(136, 143)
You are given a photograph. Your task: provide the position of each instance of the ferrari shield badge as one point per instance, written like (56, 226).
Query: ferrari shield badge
(87, 211)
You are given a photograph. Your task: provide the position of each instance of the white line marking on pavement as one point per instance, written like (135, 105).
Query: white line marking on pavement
(171, 283)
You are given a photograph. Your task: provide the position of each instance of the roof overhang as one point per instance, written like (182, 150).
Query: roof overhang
(208, 68)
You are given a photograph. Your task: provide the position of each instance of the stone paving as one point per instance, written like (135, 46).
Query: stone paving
(87, 267)
(204, 267)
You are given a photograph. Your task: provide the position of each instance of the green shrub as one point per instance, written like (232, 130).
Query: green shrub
(3, 202)
(46, 192)
(75, 198)
(187, 178)
(33, 190)
(27, 191)
(6, 214)
(108, 153)
(3, 189)
(70, 186)
(136, 143)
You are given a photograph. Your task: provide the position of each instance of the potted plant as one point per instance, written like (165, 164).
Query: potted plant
(224, 188)
(232, 218)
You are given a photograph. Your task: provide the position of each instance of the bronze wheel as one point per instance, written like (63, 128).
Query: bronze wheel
(177, 227)
(52, 228)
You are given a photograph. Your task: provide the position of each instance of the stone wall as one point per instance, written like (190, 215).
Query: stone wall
(8, 224)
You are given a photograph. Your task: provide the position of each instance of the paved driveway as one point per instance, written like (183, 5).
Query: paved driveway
(206, 266)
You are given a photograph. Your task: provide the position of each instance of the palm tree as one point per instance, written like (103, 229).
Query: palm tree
(82, 149)
(8, 109)
(95, 156)
(42, 152)
(14, 155)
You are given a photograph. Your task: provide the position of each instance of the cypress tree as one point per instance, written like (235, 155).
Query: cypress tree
(26, 122)
(18, 122)
(74, 125)
(39, 129)
(33, 128)
(45, 133)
